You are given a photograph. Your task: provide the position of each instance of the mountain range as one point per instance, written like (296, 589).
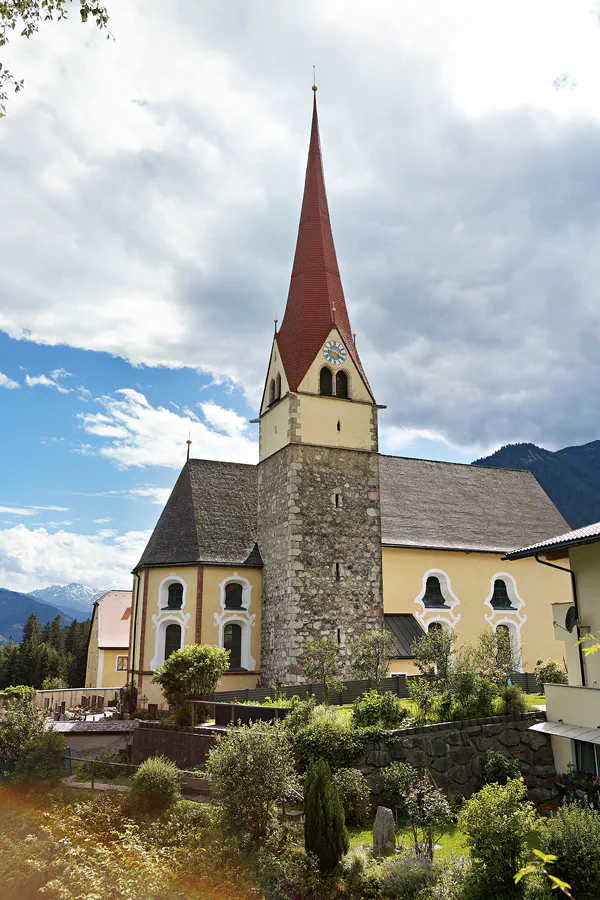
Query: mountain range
(570, 477)
(71, 601)
(73, 598)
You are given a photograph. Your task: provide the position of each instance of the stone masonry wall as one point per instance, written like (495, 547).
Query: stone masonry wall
(451, 750)
(302, 535)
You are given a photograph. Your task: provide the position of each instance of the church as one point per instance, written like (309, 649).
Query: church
(326, 535)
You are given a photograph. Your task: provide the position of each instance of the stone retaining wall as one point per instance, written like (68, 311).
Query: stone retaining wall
(451, 750)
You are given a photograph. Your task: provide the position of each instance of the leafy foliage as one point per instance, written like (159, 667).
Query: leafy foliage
(26, 15)
(22, 726)
(550, 672)
(511, 701)
(428, 810)
(372, 655)
(374, 708)
(573, 836)
(433, 655)
(157, 783)
(54, 654)
(497, 822)
(43, 759)
(496, 768)
(320, 662)
(191, 673)
(325, 833)
(253, 770)
(354, 793)
(323, 736)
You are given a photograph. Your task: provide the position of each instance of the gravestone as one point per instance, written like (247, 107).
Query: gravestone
(384, 832)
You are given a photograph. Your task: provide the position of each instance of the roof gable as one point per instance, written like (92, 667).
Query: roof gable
(114, 614)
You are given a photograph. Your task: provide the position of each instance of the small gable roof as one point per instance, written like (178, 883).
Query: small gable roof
(210, 517)
(405, 630)
(455, 506)
(114, 613)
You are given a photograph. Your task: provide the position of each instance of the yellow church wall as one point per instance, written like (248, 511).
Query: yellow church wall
(275, 369)
(274, 426)
(186, 617)
(214, 616)
(319, 417)
(91, 670)
(470, 577)
(310, 382)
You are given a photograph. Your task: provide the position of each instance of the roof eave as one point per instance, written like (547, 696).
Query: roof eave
(548, 548)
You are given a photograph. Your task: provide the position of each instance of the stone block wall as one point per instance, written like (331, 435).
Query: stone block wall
(451, 750)
(303, 534)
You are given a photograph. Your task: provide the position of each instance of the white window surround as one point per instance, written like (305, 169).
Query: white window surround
(166, 616)
(515, 617)
(241, 617)
(432, 614)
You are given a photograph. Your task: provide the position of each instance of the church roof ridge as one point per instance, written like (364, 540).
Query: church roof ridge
(453, 462)
(316, 302)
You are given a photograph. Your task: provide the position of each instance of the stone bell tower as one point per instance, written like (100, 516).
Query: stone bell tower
(319, 525)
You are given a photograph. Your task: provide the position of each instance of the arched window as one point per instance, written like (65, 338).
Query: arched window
(500, 598)
(172, 639)
(435, 628)
(326, 382)
(175, 596)
(341, 384)
(233, 596)
(278, 386)
(272, 391)
(232, 641)
(433, 592)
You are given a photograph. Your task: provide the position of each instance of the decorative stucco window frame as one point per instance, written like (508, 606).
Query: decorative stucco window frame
(514, 617)
(242, 617)
(428, 614)
(166, 617)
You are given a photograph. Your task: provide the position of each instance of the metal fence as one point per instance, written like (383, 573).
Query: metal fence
(120, 768)
(397, 684)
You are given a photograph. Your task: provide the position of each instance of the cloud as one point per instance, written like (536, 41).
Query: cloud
(139, 434)
(8, 383)
(156, 495)
(35, 557)
(45, 381)
(31, 510)
(101, 521)
(463, 190)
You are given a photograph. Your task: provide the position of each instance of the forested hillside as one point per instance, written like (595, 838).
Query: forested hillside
(50, 655)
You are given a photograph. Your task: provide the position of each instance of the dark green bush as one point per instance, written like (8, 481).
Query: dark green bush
(374, 708)
(325, 737)
(157, 783)
(550, 672)
(496, 768)
(470, 698)
(511, 701)
(44, 759)
(325, 834)
(354, 793)
(573, 835)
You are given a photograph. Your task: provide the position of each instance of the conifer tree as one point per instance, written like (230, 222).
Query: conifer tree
(325, 832)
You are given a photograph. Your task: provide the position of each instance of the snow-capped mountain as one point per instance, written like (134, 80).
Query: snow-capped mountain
(73, 596)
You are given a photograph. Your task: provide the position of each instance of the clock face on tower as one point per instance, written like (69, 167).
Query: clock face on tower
(334, 353)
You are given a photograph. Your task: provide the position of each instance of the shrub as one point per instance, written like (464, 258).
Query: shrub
(471, 697)
(325, 737)
(407, 876)
(354, 793)
(22, 726)
(157, 783)
(286, 872)
(550, 672)
(102, 772)
(325, 833)
(372, 655)
(301, 714)
(573, 835)
(253, 770)
(396, 779)
(44, 759)
(496, 768)
(455, 881)
(497, 822)
(511, 701)
(191, 673)
(429, 814)
(19, 692)
(374, 708)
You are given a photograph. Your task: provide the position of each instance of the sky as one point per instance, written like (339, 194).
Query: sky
(151, 187)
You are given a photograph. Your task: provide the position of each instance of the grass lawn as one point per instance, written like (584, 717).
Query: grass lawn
(453, 840)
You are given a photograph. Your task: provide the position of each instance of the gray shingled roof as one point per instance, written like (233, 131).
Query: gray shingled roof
(210, 517)
(589, 534)
(456, 506)
(405, 630)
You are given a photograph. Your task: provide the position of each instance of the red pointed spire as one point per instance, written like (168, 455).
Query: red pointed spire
(316, 298)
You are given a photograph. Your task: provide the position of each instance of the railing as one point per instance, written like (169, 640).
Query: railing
(93, 763)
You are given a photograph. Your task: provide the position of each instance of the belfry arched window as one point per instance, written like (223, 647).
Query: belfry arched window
(341, 384)
(272, 391)
(232, 641)
(500, 598)
(278, 386)
(433, 592)
(172, 639)
(326, 382)
(175, 596)
(233, 596)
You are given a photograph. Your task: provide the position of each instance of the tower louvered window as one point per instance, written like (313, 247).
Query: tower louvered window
(341, 384)
(433, 592)
(326, 382)
(500, 598)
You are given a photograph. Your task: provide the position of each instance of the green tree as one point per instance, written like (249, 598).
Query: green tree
(325, 832)
(27, 669)
(24, 17)
(496, 655)
(320, 663)
(497, 822)
(191, 673)
(252, 771)
(372, 655)
(21, 727)
(433, 655)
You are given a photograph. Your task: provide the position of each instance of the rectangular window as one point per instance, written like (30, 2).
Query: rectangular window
(587, 757)
(121, 663)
